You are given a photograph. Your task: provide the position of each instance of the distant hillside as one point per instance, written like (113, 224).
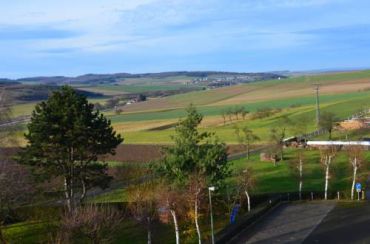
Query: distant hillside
(94, 79)
(20, 93)
(293, 87)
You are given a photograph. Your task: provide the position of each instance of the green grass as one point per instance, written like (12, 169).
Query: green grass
(280, 178)
(118, 195)
(27, 232)
(128, 232)
(342, 105)
(25, 109)
(359, 99)
(131, 232)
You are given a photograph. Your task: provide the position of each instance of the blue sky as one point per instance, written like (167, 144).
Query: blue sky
(73, 37)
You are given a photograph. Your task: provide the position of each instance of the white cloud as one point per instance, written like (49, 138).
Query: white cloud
(171, 27)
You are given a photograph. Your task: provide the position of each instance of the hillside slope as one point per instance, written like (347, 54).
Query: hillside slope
(336, 83)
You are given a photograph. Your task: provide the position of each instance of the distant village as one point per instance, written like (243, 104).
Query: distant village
(230, 80)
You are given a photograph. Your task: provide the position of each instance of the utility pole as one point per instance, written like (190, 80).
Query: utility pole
(317, 89)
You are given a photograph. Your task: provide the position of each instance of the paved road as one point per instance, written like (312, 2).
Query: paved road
(346, 223)
(290, 223)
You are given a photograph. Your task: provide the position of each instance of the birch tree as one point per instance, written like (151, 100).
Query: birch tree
(297, 165)
(143, 204)
(327, 155)
(173, 201)
(196, 189)
(355, 156)
(246, 182)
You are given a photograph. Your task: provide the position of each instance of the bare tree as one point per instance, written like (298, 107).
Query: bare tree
(300, 126)
(224, 114)
(327, 155)
(327, 121)
(355, 156)
(236, 112)
(277, 147)
(297, 165)
(143, 204)
(16, 185)
(246, 182)
(246, 137)
(196, 187)
(93, 223)
(244, 113)
(229, 113)
(174, 202)
(278, 134)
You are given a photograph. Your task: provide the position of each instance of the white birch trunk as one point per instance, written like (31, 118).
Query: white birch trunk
(149, 237)
(66, 193)
(83, 194)
(354, 164)
(248, 201)
(328, 160)
(173, 213)
(300, 178)
(196, 219)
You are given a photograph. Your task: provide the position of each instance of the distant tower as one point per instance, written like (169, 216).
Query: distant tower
(317, 89)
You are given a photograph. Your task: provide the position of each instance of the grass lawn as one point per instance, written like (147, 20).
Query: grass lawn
(280, 178)
(128, 232)
(117, 195)
(27, 232)
(131, 232)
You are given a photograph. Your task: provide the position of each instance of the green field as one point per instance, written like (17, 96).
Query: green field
(342, 105)
(341, 93)
(281, 178)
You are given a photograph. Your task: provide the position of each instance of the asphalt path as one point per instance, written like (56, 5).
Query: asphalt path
(346, 223)
(290, 223)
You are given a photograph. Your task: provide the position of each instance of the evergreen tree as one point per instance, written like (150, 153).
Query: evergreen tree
(196, 159)
(65, 137)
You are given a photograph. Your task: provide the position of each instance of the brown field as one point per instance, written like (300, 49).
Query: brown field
(209, 121)
(296, 90)
(197, 98)
(142, 125)
(103, 91)
(133, 153)
(147, 153)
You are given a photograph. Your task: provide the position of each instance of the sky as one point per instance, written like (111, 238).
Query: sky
(75, 37)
